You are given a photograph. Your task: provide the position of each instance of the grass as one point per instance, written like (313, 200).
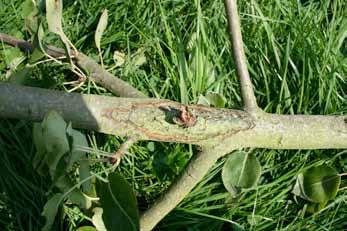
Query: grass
(297, 56)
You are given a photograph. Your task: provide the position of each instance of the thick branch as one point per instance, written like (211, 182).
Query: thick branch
(248, 97)
(193, 174)
(95, 71)
(153, 119)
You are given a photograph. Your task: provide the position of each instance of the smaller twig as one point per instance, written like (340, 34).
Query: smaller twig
(248, 97)
(95, 71)
(123, 149)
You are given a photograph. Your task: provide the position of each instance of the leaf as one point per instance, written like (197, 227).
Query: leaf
(317, 184)
(240, 170)
(50, 210)
(87, 228)
(139, 58)
(101, 28)
(37, 54)
(29, 13)
(119, 58)
(54, 133)
(39, 145)
(54, 9)
(216, 99)
(84, 172)
(80, 199)
(118, 202)
(12, 57)
(76, 140)
(20, 77)
(97, 219)
(203, 100)
(212, 98)
(315, 207)
(151, 146)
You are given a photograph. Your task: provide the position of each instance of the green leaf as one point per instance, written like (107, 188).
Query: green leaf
(50, 210)
(118, 202)
(84, 172)
(37, 54)
(216, 99)
(315, 207)
(101, 28)
(64, 183)
(76, 140)
(203, 100)
(241, 170)
(151, 146)
(80, 199)
(39, 145)
(212, 98)
(29, 13)
(57, 145)
(87, 228)
(317, 184)
(20, 77)
(13, 56)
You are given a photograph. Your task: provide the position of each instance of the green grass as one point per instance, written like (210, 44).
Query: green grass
(297, 56)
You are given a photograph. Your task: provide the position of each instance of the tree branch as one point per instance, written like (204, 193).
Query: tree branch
(192, 175)
(246, 87)
(153, 119)
(95, 71)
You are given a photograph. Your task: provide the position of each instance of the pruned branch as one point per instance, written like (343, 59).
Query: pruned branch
(248, 97)
(192, 175)
(153, 119)
(94, 70)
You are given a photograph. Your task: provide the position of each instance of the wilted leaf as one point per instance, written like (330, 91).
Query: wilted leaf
(119, 204)
(50, 210)
(139, 58)
(101, 28)
(241, 170)
(54, 10)
(119, 58)
(317, 184)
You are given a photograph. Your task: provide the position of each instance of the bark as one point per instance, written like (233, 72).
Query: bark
(154, 119)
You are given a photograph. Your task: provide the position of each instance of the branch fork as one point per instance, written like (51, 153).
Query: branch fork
(216, 131)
